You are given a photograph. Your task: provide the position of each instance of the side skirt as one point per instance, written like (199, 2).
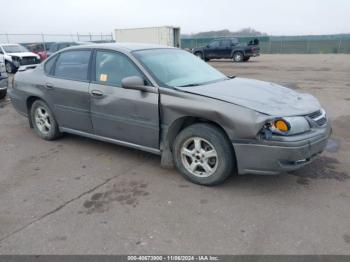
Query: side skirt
(110, 140)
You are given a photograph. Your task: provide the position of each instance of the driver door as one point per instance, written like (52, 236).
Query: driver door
(212, 51)
(122, 114)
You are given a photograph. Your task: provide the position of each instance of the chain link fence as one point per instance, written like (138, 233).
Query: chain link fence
(50, 38)
(288, 45)
(268, 44)
(305, 47)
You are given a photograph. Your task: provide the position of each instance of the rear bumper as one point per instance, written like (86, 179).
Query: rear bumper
(254, 54)
(280, 157)
(18, 101)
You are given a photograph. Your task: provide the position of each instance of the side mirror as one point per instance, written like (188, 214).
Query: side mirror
(136, 83)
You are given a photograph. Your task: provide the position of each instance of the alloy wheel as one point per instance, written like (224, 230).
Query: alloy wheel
(42, 120)
(199, 157)
(238, 57)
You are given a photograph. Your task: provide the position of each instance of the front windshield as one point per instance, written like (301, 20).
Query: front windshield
(177, 68)
(14, 49)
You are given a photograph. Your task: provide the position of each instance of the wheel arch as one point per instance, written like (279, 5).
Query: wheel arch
(199, 52)
(237, 51)
(29, 103)
(176, 127)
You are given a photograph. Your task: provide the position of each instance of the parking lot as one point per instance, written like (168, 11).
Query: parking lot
(80, 196)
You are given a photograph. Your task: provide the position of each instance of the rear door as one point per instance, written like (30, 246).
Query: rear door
(225, 48)
(67, 87)
(122, 114)
(212, 51)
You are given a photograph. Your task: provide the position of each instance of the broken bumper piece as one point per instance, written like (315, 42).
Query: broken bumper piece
(276, 157)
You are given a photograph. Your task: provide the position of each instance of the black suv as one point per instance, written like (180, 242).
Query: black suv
(228, 48)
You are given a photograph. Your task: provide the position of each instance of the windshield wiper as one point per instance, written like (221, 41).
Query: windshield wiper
(190, 85)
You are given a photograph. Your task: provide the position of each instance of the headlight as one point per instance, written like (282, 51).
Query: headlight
(288, 125)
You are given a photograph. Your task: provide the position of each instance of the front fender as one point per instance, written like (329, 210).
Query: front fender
(238, 122)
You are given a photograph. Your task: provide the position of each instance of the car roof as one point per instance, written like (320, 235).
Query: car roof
(128, 47)
(71, 42)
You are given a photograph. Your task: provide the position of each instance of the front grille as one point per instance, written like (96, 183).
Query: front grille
(29, 60)
(315, 114)
(319, 117)
(321, 121)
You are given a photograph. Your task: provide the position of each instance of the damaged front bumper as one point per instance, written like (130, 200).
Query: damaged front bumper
(278, 156)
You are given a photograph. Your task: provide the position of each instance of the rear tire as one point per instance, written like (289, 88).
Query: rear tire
(43, 120)
(3, 93)
(238, 57)
(203, 154)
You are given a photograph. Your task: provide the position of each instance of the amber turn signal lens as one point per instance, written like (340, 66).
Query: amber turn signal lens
(281, 125)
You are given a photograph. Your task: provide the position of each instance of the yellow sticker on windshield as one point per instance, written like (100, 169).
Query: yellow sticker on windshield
(103, 77)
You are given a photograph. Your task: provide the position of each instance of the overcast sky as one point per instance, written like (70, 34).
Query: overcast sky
(276, 17)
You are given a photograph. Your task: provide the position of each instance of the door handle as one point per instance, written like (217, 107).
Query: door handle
(49, 86)
(97, 93)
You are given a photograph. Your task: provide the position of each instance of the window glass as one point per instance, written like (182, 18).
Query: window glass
(112, 67)
(49, 63)
(214, 44)
(226, 43)
(73, 65)
(173, 67)
(235, 41)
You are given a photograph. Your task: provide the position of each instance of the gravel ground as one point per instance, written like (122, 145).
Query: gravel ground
(79, 196)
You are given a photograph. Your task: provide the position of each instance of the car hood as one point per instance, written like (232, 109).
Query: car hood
(22, 54)
(260, 96)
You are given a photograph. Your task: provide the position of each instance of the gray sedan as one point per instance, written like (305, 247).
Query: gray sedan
(168, 102)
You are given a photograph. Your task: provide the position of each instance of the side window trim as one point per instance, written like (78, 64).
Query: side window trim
(50, 73)
(94, 65)
(53, 69)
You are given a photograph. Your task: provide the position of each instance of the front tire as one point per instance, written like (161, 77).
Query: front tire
(43, 120)
(203, 154)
